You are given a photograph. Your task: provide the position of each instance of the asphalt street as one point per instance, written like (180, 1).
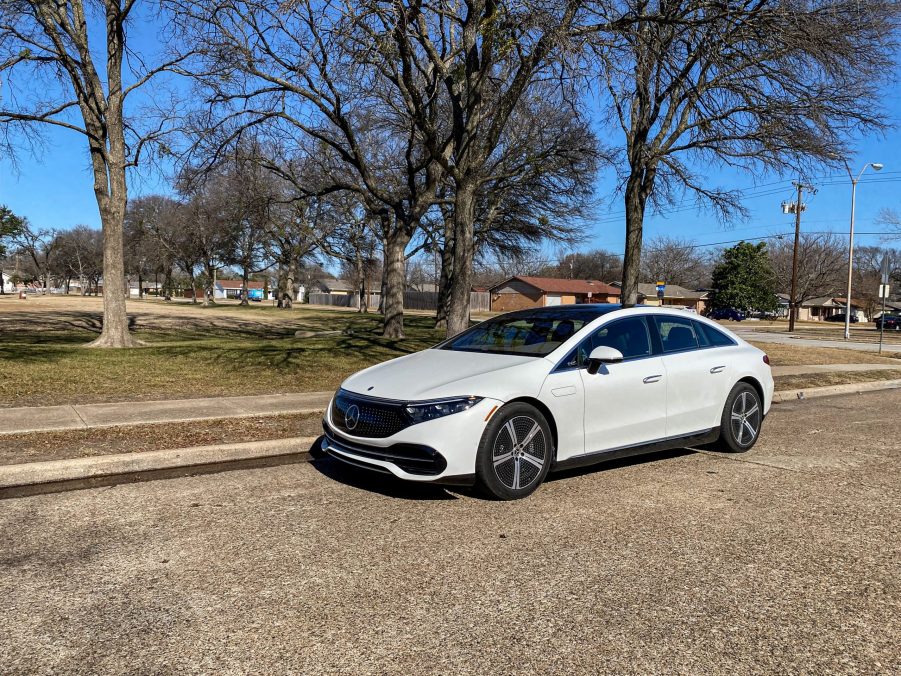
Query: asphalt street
(785, 559)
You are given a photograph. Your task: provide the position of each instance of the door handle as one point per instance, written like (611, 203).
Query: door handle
(652, 379)
(717, 369)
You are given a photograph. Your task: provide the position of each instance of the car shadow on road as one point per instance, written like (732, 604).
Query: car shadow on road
(608, 465)
(383, 484)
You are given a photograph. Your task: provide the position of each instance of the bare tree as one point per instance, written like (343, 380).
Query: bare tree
(61, 72)
(758, 84)
(599, 264)
(479, 59)
(822, 265)
(79, 253)
(675, 261)
(892, 219)
(289, 72)
(159, 222)
(40, 245)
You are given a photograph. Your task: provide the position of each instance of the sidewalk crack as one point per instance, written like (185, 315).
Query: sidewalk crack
(83, 421)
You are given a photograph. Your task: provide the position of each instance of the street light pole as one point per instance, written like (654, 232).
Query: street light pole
(876, 167)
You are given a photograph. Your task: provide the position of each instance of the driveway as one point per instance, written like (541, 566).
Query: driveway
(785, 559)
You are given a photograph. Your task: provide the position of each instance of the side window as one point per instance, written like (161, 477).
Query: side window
(676, 334)
(703, 339)
(713, 337)
(629, 336)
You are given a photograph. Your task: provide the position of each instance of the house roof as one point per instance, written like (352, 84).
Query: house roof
(333, 284)
(236, 284)
(822, 301)
(855, 302)
(672, 291)
(555, 285)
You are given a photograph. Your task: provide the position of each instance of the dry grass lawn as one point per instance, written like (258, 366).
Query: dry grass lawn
(190, 352)
(798, 355)
(41, 446)
(842, 378)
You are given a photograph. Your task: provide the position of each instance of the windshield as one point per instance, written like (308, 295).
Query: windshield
(523, 333)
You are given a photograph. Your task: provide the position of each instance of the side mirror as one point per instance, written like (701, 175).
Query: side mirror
(603, 355)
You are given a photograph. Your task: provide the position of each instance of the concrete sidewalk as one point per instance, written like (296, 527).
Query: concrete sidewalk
(83, 416)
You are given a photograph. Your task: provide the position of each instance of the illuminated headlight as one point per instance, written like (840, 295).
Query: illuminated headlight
(429, 410)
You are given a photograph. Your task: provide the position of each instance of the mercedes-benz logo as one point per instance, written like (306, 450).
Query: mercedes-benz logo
(352, 416)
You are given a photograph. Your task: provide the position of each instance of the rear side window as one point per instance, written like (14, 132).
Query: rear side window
(711, 337)
(677, 334)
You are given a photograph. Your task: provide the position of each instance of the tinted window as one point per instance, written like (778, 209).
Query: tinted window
(629, 336)
(537, 334)
(710, 336)
(676, 334)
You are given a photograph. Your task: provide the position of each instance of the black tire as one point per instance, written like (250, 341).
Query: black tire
(515, 452)
(742, 419)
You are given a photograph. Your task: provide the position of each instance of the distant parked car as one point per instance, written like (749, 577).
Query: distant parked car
(892, 322)
(840, 317)
(727, 313)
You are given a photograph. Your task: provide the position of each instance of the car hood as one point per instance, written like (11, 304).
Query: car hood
(436, 373)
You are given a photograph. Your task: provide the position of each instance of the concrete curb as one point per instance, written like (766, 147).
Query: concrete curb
(107, 470)
(832, 390)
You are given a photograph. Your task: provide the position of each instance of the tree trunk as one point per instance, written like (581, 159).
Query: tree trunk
(361, 281)
(393, 294)
(635, 205)
(446, 274)
(293, 281)
(464, 249)
(167, 282)
(245, 275)
(115, 331)
(384, 281)
(209, 289)
(193, 289)
(111, 191)
(140, 287)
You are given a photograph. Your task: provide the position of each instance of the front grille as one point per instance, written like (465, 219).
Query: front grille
(412, 458)
(370, 417)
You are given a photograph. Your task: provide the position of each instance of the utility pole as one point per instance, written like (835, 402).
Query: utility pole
(795, 208)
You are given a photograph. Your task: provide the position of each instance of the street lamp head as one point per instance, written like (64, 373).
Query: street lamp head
(877, 166)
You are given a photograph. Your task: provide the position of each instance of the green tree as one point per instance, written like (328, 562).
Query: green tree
(10, 226)
(744, 279)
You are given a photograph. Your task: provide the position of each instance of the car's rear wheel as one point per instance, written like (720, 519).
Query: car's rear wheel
(742, 418)
(515, 452)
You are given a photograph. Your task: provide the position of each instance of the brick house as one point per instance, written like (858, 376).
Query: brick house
(520, 292)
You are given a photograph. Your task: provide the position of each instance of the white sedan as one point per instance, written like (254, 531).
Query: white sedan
(519, 395)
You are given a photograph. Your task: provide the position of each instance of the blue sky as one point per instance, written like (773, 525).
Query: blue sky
(53, 189)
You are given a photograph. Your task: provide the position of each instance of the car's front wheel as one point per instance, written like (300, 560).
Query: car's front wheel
(515, 452)
(742, 418)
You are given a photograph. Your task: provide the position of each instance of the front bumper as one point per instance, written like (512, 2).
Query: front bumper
(440, 451)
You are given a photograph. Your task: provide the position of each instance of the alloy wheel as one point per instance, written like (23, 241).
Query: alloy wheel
(519, 453)
(745, 418)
